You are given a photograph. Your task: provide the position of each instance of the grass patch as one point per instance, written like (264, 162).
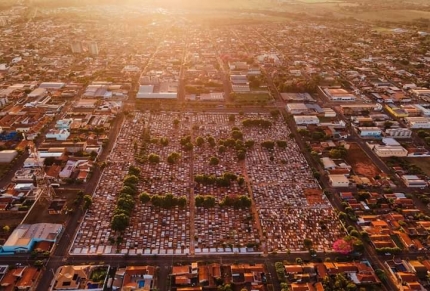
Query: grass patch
(397, 241)
(11, 218)
(422, 163)
(252, 97)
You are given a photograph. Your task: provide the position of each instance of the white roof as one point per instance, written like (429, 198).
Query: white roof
(52, 85)
(370, 128)
(410, 177)
(390, 142)
(339, 178)
(301, 118)
(24, 233)
(146, 88)
(37, 92)
(328, 163)
(297, 106)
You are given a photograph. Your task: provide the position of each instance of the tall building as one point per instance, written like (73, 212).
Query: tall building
(76, 47)
(93, 48)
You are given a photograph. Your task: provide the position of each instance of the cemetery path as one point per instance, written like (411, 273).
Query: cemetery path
(192, 199)
(254, 211)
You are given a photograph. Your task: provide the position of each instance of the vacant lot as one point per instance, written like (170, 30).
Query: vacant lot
(252, 97)
(360, 162)
(423, 163)
(40, 212)
(11, 218)
(4, 168)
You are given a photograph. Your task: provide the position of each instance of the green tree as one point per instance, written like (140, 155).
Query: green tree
(268, 144)
(281, 143)
(126, 204)
(221, 149)
(128, 190)
(173, 158)
(154, 159)
(241, 155)
(211, 141)
(132, 170)
(213, 161)
(241, 181)
(188, 147)
(131, 179)
(200, 141)
(120, 222)
(237, 134)
(275, 113)
(144, 197)
(381, 274)
(249, 143)
(307, 243)
(88, 201)
(422, 133)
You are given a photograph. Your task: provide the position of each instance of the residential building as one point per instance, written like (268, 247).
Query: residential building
(58, 134)
(52, 85)
(138, 278)
(370, 131)
(425, 111)
(297, 108)
(385, 151)
(354, 109)
(63, 123)
(389, 148)
(328, 163)
(239, 79)
(7, 156)
(418, 122)
(20, 278)
(398, 132)
(81, 278)
(339, 181)
(336, 94)
(396, 111)
(414, 181)
(32, 162)
(37, 93)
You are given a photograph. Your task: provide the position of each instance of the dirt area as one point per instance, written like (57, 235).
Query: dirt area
(11, 218)
(360, 162)
(423, 163)
(40, 212)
